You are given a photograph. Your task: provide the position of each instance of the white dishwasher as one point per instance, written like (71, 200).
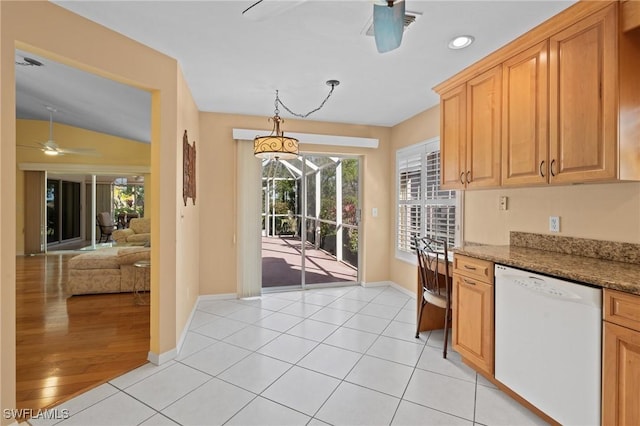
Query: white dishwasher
(548, 343)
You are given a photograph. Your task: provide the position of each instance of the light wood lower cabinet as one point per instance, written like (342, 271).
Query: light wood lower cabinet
(473, 315)
(621, 359)
(621, 376)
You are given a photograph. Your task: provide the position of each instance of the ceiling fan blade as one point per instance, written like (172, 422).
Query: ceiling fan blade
(264, 9)
(80, 151)
(388, 25)
(29, 146)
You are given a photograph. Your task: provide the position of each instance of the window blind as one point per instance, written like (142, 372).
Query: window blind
(423, 209)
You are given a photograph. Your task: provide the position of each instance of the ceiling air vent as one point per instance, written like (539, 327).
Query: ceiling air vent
(409, 18)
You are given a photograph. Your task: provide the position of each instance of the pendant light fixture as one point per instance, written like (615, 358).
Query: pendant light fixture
(276, 145)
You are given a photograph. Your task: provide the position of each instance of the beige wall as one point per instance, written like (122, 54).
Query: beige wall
(599, 211)
(217, 194)
(421, 127)
(45, 29)
(113, 151)
(188, 217)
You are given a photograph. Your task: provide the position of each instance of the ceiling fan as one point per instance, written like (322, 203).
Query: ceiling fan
(388, 18)
(50, 147)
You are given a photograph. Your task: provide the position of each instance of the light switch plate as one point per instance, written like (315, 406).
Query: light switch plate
(554, 223)
(374, 212)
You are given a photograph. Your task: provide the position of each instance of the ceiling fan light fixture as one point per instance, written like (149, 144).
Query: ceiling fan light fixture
(51, 152)
(460, 42)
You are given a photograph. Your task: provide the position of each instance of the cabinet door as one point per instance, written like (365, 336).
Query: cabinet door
(582, 94)
(621, 376)
(473, 321)
(524, 117)
(484, 101)
(453, 138)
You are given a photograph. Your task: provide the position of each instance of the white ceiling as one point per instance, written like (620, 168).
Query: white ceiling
(234, 65)
(80, 99)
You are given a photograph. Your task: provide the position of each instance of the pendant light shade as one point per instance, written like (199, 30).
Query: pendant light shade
(276, 145)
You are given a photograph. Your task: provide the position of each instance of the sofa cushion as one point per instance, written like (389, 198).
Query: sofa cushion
(121, 235)
(138, 238)
(131, 255)
(140, 225)
(99, 259)
(96, 281)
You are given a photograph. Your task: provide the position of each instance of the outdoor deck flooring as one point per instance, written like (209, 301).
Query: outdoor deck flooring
(282, 263)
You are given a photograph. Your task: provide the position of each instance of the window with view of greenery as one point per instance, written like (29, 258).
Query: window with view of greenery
(128, 198)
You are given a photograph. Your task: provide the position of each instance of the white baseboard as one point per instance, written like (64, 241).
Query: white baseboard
(376, 284)
(409, 293)
(185, 330)
(224, 296)
(163, 357)
(390, 284)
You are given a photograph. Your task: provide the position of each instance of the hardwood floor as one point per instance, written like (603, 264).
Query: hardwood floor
(67, 345)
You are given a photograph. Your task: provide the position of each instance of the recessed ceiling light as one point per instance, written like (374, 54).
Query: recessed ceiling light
(460, 42)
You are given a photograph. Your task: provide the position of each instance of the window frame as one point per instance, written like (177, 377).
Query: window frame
(404, 154)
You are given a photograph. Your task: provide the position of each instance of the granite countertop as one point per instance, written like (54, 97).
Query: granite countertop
(612, 274)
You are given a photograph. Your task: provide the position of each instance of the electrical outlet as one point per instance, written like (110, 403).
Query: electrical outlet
(503, 203)
(554, 223)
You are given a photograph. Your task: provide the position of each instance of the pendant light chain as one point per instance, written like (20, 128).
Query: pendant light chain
(332, 83)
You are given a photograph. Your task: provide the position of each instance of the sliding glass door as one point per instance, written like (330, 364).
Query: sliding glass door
(310, 221)
(63, 211)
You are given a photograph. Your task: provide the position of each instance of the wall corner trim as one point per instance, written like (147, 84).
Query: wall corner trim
(310, 138)
(159, 359)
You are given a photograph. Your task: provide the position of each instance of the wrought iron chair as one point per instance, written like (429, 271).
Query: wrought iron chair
(106, 225)
(433, 273)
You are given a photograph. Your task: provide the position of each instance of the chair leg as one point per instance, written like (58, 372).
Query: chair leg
(446, 331)
(420, 318)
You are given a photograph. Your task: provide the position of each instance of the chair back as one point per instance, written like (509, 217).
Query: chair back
(104, 219)
(433, 266)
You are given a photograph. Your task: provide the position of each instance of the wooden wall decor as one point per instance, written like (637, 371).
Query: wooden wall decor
(188, 170)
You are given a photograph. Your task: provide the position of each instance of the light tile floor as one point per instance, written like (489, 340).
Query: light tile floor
(340, 356)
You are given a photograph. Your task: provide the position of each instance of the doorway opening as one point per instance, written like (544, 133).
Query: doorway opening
(66, 344)
(310, 221)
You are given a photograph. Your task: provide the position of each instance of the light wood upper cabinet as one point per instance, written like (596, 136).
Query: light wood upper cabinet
(453, 138)
(524, 117)
(568, 112)
(484, 100)
(470, 132)
(583, 102)
(630, 15)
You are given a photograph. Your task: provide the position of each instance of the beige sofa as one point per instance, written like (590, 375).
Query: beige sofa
(139, 231)
(108, 270)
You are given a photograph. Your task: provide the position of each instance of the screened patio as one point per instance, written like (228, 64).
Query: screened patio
(309, 221)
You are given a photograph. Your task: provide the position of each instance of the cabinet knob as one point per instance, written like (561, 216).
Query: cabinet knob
(551, 167)
(541, 172)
